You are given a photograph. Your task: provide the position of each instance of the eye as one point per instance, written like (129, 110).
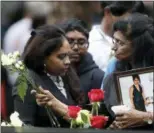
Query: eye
(70, 40)
(81, 41)
(62, 56)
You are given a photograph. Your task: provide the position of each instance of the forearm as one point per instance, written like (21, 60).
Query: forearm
(60, 108)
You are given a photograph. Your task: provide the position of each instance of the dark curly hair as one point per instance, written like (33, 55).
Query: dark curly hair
(75, 24)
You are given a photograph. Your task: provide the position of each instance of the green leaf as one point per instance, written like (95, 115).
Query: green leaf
(84, 118)
(22, 86)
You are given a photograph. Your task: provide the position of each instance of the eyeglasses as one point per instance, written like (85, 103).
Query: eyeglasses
(119, 42)
(116, 41)
(82, 43)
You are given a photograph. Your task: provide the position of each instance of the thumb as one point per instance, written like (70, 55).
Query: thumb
(41, 90)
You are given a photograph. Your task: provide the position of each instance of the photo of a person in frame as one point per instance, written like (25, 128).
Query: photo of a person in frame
(137, 96)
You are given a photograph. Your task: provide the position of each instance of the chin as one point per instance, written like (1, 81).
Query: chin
(63, 74)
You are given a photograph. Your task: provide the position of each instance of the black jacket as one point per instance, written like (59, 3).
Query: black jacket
(89, 73)
(30, 112)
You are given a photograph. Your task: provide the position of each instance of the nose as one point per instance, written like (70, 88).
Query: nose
(114, 48)
(75, 48)
(67, 61)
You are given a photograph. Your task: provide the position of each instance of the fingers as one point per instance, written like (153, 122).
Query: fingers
(121, 118)
(41, 90)
(40, 96)
(42, 102)
(114, 125)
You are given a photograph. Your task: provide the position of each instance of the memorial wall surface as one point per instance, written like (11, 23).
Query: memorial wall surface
(64, 130)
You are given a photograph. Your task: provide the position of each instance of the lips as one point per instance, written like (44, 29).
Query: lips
(75, 57)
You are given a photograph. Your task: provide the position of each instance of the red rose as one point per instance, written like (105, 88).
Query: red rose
(98, 121)
(96, 95)
(73, 111)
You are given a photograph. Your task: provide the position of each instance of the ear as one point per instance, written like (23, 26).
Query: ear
(107, 11)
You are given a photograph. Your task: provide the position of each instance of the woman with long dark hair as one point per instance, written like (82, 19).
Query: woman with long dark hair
(46, 55)
(133, 40)
(137, 96)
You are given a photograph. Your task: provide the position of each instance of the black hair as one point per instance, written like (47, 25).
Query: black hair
(136, 76)
(43, 41)
(118, 8)
(139, 29)
(75, 24)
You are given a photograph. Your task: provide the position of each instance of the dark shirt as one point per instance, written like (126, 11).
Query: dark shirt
(89, 73)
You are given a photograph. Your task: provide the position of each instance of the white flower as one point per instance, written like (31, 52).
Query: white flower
(20, 63)
(79, 120)
(16, 54)
(5, 124)
(15, 121)
(21, 67)
(6, 61)
(86, 112)
(17, 65)
(10, 55)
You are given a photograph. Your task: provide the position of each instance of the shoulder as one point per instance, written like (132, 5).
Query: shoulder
(111, 66)
(131, 88)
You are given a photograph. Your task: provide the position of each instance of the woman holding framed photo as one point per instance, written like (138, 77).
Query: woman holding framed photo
(133, 40)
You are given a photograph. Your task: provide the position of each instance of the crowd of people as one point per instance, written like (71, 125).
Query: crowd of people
(67, 61)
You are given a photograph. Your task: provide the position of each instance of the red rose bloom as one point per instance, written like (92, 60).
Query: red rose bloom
(98, 121)
(73, 111)
(96, 95)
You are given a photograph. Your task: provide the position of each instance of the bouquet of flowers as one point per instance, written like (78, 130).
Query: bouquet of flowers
(81, 118)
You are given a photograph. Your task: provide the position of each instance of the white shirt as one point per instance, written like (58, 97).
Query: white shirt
(100, 46)
(17, 35)
(59, 83)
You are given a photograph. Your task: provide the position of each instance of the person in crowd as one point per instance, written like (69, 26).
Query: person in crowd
(18, 34)
(47, 56)
(88, 72)
(134, 47)
(100, 42)
(137, 95)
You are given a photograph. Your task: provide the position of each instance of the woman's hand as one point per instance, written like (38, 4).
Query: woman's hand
(44, 97)
(128, 119)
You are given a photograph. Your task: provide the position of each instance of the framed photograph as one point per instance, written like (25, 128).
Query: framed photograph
(135, 88)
